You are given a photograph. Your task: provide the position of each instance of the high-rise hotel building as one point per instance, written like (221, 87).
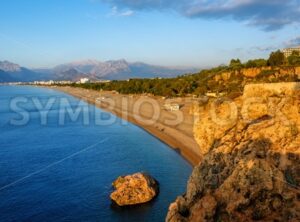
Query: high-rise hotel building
(288, 51)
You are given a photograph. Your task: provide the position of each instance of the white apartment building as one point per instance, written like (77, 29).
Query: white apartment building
(84, 80)
(288, 51)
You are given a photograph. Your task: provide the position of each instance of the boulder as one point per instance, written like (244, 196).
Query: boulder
(134, 189)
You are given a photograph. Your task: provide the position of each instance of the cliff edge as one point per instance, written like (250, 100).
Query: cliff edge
(251, 167)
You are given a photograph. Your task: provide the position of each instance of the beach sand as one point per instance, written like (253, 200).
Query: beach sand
(174, 128)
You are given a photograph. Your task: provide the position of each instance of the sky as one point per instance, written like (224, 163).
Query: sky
(181, 33)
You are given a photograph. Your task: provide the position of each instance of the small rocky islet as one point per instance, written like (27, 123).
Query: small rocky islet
(134, 189)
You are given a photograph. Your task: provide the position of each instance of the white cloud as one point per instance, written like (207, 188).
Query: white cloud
(121, 13)
(268, 15)
(127, 13)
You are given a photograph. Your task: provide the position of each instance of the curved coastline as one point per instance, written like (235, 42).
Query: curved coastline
(182, 143)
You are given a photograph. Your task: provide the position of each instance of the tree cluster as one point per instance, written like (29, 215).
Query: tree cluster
(294, 59)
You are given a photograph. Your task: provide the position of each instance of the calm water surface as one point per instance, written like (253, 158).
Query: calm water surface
(63, 172)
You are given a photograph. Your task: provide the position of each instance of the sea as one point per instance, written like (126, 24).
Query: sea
(59, 156)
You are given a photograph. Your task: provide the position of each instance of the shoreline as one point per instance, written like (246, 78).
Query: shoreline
(178, 140)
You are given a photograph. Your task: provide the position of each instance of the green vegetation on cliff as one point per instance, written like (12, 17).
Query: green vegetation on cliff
(226, 80)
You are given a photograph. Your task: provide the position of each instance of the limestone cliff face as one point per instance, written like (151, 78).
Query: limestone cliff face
(254, 72)
(251, 159)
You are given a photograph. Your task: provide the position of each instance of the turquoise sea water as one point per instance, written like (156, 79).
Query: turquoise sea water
(59, 167)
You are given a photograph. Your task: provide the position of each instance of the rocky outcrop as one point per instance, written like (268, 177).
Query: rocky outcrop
(278, 71)
(134, 189)
(251, 165)
(271, 90)
(252, 73)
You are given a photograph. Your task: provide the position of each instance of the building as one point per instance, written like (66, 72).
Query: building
(51, 82)
(215, 95)
(84, 80)
(288, 51)
(211, 94)
(172, 107)
(47, 83)
(101, 81)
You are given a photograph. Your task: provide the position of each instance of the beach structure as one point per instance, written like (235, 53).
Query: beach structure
(215, 95)
(211, 94)
(172, 106)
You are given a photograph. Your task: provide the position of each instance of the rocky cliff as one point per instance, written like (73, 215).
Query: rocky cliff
(255, 72)
(251, 166)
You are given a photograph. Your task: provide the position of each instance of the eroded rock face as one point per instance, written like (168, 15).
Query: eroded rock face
(134, 189)
(251, 166)
(253, 72)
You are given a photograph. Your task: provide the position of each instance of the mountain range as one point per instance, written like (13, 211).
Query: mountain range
(93, 69)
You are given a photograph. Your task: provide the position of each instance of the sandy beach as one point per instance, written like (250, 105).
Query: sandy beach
(174, 128)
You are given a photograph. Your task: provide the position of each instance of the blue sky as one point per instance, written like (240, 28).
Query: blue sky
(199, 33)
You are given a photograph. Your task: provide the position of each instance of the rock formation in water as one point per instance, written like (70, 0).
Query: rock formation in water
(251, 162)
(134, 189)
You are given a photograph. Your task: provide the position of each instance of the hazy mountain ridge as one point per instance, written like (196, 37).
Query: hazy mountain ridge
(4, 77)
(111, 70)
(121, 69)
(11, 72)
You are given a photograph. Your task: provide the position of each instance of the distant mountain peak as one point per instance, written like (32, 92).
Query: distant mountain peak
(71, 71)
(7, 66)
(84, 62)
(117, 61)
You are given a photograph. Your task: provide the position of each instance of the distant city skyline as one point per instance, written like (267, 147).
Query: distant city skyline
(46, 33)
